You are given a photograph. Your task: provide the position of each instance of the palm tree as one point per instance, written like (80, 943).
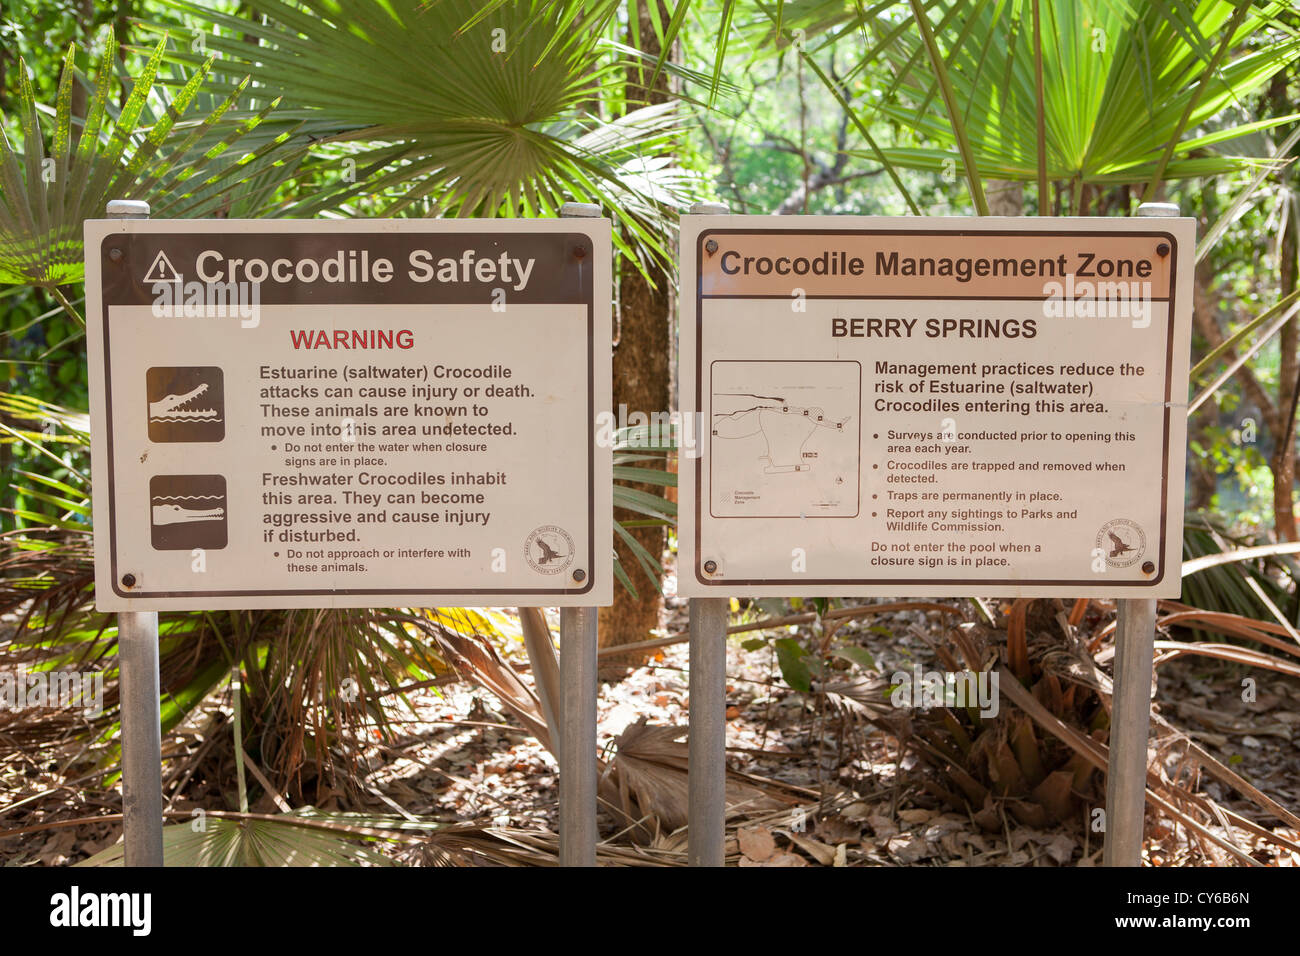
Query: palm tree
(455, 109)
(1076, 97)
(150, 148)
(475, 115)
(1063, 93)
(462, 109)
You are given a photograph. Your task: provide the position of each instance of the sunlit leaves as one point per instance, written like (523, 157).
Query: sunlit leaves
(148, 149)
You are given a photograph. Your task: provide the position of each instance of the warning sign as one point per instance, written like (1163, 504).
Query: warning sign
(350, 414)
(162, 270)
(982, 407)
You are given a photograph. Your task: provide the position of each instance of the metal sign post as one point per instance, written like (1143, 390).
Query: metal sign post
(1130, 705)
(579, 684)
(706, 774)
(707, 741)
(137, 661)
(1130, 722)
(577, 743)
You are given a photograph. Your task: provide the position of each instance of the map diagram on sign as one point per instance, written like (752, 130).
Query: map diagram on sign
(784, 439)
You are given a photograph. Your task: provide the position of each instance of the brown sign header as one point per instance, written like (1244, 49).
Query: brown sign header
(936, 265)
(370, 267)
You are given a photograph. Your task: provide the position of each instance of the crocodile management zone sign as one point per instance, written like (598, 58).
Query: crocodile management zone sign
(349, 413)
(967, 407)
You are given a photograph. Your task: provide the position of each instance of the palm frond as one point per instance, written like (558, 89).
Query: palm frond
(451, 109)
(1127, 91)
(150, 148)
(305, 837)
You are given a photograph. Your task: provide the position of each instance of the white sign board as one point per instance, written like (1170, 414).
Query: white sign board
(964, 407)
(349, 413)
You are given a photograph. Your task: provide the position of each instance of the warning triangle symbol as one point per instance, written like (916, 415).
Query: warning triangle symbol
(162, 270)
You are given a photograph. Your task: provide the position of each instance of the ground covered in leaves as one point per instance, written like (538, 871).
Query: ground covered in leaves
(817, 781)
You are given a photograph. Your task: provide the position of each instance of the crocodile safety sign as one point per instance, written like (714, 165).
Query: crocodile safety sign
(966, 407)
(349, 413)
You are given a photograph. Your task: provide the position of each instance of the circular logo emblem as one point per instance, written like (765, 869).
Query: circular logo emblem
(549, 550)
(1123, 541)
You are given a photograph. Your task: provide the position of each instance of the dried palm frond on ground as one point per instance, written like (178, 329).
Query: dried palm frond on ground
(1053, 682)
(1005, 762)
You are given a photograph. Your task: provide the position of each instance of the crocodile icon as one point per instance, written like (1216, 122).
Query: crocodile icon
(175, 514)
(171, 407)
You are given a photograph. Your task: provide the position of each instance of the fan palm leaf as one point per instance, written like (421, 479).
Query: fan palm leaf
(305, 837)
(453, 110)
(1130, 93)
(1124, 93)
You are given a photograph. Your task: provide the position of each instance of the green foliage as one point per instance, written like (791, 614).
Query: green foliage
(1249, 481)
(304, 837)
(800, 664)
(51, 188)
(855, 654)
(635, 447)
(452, 110)
(793, 659)
(1245, 587)
(1121, 83)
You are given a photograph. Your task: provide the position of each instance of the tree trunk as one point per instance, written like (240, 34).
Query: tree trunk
(1282, 463)
(641, 382)
(86, 29)
(1006, 197)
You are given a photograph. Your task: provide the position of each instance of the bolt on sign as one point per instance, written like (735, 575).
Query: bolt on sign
(968, 407)
(349, 413)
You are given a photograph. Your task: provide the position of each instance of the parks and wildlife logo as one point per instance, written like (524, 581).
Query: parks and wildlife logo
(549, 550)
(1123, 541)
